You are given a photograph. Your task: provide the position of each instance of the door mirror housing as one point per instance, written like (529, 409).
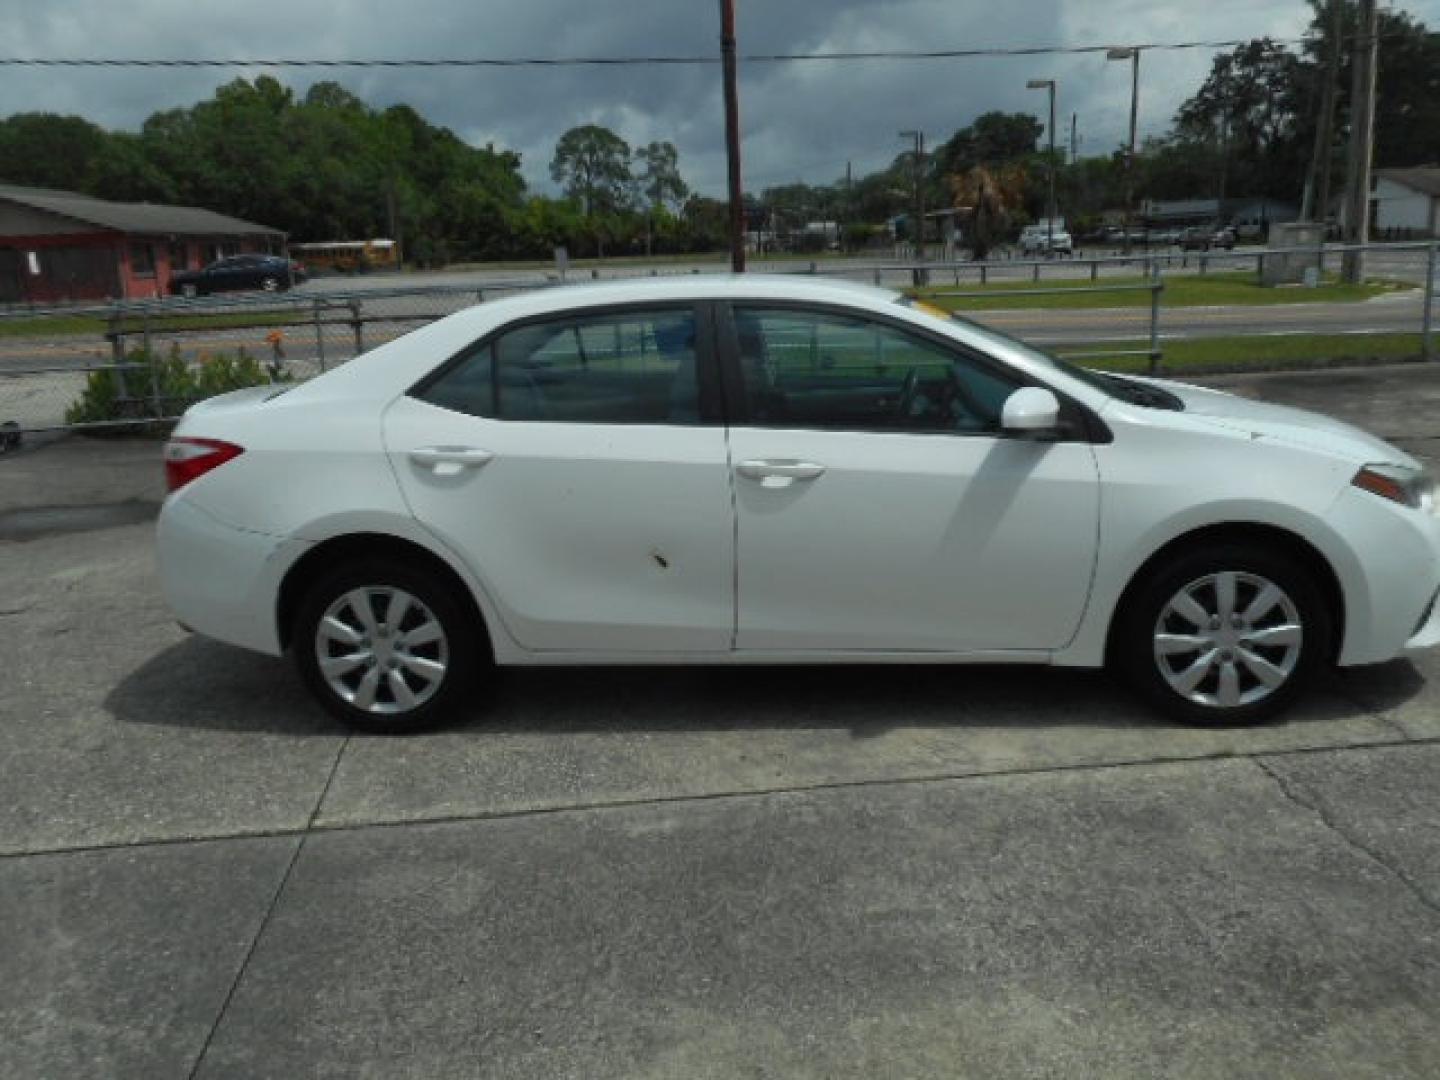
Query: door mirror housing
(1031, 410)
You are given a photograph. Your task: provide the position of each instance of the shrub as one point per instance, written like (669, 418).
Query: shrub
(147, 386)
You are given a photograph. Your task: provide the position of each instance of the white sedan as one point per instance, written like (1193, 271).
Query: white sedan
(742, 470)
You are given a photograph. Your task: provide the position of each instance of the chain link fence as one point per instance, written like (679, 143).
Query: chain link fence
(141, 363)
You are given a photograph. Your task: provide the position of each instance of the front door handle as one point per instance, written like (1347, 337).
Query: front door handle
(775, 474)
(450, 460)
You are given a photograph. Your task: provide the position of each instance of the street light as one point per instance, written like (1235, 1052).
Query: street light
(1133, 55)
(1049, 84)
(919, 137)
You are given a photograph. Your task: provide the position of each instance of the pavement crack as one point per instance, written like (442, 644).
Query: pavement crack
(269, 914)
(1317, 808)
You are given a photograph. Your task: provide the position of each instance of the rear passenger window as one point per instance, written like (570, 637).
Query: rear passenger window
(638, 367)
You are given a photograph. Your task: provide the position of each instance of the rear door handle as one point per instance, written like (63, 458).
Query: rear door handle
(450, 460)
(779, 473)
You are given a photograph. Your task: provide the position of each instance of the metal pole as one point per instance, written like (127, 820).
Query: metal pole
(319, 338)
(1337, 32)
(1427, 340)
(1159, 287)
(1050, 222)
(1133, 55)
(920, 198)
(357, 326)
(1362, 142)
(732, 136)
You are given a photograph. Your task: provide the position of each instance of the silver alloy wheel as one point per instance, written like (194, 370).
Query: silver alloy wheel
(1228, 639)
(270, 284)
(381, 650)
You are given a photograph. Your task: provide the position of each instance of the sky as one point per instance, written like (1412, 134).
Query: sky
(798, 121)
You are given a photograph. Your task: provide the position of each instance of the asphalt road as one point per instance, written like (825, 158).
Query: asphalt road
(686, 873)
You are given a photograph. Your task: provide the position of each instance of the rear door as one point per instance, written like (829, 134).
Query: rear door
(578, 464)
(880, 508)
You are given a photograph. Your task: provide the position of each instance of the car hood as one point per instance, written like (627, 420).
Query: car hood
(1283, 424)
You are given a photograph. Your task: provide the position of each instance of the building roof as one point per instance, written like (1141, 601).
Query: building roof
(133, 217)
(1424, 179)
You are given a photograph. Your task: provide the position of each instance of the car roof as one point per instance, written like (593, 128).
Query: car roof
(677, 287)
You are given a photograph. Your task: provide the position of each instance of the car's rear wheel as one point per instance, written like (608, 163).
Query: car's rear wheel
(189, 291)
(1228, 635)
(270, 284)
(387, 648)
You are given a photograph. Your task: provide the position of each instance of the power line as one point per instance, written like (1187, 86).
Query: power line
(626, 61)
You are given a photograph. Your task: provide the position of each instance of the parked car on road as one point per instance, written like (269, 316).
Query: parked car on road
(755, 470)
(1203, 239)
(270, 273)
(1036, 240)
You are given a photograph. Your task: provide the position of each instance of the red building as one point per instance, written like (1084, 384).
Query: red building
(57, 245)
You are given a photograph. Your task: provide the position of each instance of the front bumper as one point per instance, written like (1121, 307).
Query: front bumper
(221, 581)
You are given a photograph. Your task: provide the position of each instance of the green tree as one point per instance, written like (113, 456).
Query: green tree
(592, 164)
(658, 177)
(47, 150)
(994, 138)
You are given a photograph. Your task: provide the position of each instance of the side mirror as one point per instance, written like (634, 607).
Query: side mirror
(1031, 410)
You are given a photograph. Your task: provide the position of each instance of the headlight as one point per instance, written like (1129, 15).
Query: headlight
(1408, 487)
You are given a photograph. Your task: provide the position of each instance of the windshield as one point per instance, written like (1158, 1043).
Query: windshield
(1138, 393)
(1099, 381)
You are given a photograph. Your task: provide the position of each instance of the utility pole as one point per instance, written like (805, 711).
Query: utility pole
(1074, 137)
(919, 182)
(1133, 55)
(1317, 189)
(1362, 141)
(732, 136)
(849, 210)
(1049, 84)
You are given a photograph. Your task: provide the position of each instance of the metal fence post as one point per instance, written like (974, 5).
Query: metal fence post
(984, 273)
(1094, 269)
(319, 338)
(152, 362)
(1157, 287)
(1036, 275)
(117, 353)
(1427, 340)
(357, 326)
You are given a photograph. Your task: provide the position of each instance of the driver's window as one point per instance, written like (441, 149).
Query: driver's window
(820, 369)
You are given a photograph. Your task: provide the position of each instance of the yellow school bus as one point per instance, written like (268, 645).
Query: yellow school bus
(347, 256)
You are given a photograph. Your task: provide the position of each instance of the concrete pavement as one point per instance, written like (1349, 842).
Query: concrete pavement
(853, 872)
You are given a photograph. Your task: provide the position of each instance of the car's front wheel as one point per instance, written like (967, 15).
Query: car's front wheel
(387, 648)
(1228, 635)
(270, 284)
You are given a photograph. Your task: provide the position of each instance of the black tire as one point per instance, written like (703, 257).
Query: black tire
(1134, 646)
(464, 650)
(270, 284)
(189, 291)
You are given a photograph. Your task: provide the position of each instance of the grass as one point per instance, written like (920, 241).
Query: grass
(1238, 289)
(1255, 353)
(45, 326)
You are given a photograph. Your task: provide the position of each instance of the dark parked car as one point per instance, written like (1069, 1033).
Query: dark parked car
(1205, 239)
(272, 273)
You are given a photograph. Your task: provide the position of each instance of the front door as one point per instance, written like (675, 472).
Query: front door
(880, 508)
(578, 465)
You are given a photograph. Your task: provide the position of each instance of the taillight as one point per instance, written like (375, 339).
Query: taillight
(187, 459)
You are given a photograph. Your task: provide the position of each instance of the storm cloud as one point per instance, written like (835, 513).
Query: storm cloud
(799, 120)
